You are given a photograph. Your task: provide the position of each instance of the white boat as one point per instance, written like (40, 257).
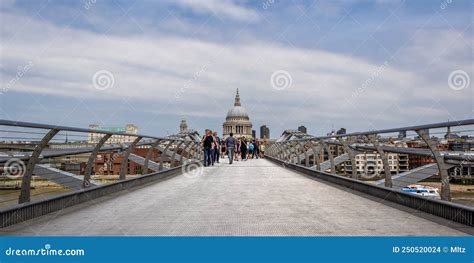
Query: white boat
(425, 191)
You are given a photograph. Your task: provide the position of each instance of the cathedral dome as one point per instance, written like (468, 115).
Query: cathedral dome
(237, 121)
(237, 112)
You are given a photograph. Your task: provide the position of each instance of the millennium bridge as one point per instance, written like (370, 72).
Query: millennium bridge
(306, 185)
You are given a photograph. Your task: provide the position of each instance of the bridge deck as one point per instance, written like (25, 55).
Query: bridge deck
(255, 197)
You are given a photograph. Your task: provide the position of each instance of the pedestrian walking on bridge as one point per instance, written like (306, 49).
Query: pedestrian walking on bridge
(230, 145)
(206, 143)
(217, 148)
(243, 149)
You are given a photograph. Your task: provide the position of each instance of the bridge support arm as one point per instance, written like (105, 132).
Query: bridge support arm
(291, 151)
(296, 146)
(163, 154)
(148, 156)
(173, 157)
(274, 150)
(270, 151)
(330, 156)
(123, 165)
(201, 152)
(192, 151)
(316, 155)
(278, 152)
(306, 155)
(383, 156)
(443, 171)
(90, 162)
(185, 150)
(26, 180)
(197, 151)
(351, 154)
(285, 152)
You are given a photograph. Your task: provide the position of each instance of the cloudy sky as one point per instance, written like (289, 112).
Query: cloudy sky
(357, 64)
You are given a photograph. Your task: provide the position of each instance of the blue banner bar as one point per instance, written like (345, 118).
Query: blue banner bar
(237, 249)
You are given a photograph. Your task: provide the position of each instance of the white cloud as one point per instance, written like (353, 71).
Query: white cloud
(326, 86)
(222, 8)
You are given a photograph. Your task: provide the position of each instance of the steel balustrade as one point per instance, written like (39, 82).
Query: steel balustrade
(286, 149)
(283, 152)
(51, 131)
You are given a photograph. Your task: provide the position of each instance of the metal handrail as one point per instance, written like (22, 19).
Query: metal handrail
(392, 130)
(72, 129)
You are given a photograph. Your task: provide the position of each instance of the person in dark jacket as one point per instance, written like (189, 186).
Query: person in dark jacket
(256, 150)
(207, 142)
(217, 148)
(243, 149)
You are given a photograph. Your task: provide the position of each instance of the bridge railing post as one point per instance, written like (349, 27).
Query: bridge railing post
(148, 156)
(163, 154)
(443, 171)
(126, 154)
(191, 151)
(199, 151)
(273, 150)
(278, 151)
(330, 156)
(296, 148)
(269, 150)
(281, 151)
(305, 150)
(291, 157)
(27, 176)
(316, 155)
(185, 150)
(288, 150)
(386, 166)
(351, 153)
(173, 157)
(91, 159)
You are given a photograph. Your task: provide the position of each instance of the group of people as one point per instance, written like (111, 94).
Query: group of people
(234, 148)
